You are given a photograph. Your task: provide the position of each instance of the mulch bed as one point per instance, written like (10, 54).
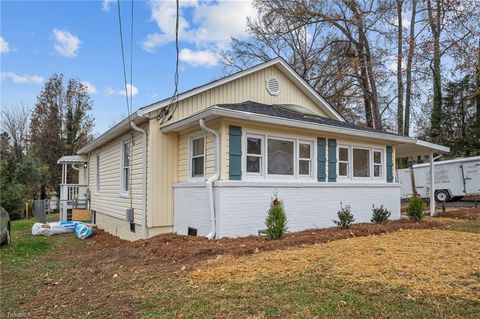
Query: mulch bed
(461, 213)
(181, 251)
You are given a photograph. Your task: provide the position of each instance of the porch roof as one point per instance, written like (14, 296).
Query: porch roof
(72, 159)
(419, 148)
(282, 115)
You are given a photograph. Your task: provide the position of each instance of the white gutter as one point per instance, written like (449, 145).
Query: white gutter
(144, 181)
(212, 178)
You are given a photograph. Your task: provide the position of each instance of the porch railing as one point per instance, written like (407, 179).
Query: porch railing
(72, 196)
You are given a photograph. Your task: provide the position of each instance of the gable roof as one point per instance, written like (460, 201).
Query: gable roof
(278, 62)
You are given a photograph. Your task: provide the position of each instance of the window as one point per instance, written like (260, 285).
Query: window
(254, 154)
(125, 166)
(343, 161)
(280, 157)
(97, 172)
(304, 159)
(198, 156)
(361, 162)
(277, 157)
(377, 164)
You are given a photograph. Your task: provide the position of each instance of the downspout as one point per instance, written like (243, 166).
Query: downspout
(212, 178)
(144, 181)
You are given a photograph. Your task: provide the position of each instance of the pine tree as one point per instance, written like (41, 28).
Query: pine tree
(276, 221)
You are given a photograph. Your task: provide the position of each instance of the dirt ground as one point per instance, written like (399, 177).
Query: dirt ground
(461, 213)
(101, 275)
(179, 252)
(434, 261)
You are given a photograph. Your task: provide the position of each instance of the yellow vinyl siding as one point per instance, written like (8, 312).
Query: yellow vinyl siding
(108, 200)
(162, 173)
(250, 87)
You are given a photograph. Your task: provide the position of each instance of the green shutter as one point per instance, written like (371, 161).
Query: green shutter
(389, 164)
(321, 159)
(235, 153)
(332, 160)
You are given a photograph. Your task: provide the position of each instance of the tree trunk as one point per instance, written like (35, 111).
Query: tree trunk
(466, 147)
(411, 51)
(399, 68)
(377, 120)
(477, 99)
(435, 27)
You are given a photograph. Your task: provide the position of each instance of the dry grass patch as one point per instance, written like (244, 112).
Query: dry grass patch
(440, 262)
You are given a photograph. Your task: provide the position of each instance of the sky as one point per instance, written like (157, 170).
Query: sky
(81, 40)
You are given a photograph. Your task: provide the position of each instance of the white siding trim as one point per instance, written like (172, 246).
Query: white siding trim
(191, 138)
(266, 135)
(123, 192)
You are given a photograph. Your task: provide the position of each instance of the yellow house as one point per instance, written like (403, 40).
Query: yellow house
(211, 166)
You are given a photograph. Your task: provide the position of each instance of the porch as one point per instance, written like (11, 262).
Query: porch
(73, 195)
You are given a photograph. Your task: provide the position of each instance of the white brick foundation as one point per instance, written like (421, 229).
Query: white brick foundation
(241, 207)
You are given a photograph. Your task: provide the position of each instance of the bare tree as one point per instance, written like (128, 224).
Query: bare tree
(345, 30)
(399, 67)
(15, 123)
(408, 69)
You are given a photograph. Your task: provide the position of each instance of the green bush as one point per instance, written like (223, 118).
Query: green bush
(276, 221)
(345, 217)
(415, 209)
(380, 215)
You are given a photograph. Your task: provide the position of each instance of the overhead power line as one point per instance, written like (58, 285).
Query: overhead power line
(128, 100)
(167, 113)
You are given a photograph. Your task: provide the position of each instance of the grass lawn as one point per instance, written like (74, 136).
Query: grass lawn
(63, 277)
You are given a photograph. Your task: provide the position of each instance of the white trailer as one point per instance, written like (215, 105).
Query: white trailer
(453, 179)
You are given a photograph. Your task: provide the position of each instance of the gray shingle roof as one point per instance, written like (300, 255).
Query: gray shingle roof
(282, 112)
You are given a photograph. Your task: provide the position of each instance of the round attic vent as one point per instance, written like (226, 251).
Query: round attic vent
(273, 85)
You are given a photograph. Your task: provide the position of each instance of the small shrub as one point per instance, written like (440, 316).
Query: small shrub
(345, 217)
(276, 221)
(415, 209)
(380, 215)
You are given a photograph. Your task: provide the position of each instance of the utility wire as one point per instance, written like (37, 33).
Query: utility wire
(131, 107)
(129, 102)
(123, 57)
(167, 113)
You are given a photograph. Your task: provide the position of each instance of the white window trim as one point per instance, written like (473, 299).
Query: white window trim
(264, 170)
(295, 158)
(191, 138)
(123, 192)
(370, 158)
(262, 155)
(382, 163)
(349, 162)
(310, 159)
(97, 172)
(371, 148)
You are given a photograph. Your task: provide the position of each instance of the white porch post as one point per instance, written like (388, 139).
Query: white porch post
(432, 186)
(63, 195)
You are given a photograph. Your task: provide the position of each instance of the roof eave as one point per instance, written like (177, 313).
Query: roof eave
(112, 133)
(215, 111)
